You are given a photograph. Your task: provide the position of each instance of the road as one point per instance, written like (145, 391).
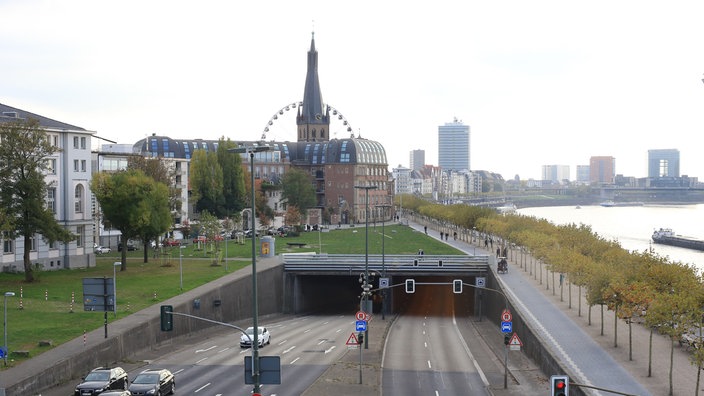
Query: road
(426, 353)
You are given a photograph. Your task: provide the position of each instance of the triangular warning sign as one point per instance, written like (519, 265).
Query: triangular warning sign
(352, 340)
(515, 340)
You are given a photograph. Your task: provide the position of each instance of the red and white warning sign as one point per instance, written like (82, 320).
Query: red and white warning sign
(352, 340)
(506, 316)
(515, 343)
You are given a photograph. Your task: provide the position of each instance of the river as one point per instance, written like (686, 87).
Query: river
(632, 226)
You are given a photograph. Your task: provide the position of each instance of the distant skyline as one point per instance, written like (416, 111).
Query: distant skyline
(542, 82)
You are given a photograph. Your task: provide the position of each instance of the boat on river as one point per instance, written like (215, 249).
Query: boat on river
(666, 236)
(609, 204)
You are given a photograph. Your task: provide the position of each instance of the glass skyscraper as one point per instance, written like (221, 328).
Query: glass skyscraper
(453, 146)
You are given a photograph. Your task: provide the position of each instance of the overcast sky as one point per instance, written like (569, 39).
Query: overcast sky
(538, 82)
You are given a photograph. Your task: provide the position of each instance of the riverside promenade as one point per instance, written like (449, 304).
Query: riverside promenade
(591, 356)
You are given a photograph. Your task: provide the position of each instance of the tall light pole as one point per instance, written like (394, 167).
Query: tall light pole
(365, 285)
(7, 349)
(114, 286)
(383, 257)
(255, 308)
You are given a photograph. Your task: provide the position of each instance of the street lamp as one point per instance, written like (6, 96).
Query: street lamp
(365, 285)
(383, 257)
(114, 286)
(7, 350)
(255, 308)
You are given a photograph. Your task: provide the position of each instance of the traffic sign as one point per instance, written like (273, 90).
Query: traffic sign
(361, 325)
(367, 317)
(360, 315)
(3, 352)
(506, 316)
(352, 340)
(506, 327)
(480, 281)
(383, 283)
(515, 343)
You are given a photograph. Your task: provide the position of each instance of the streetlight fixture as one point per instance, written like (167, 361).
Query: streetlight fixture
(255, 308)
(7, 350)
(365, 285)
(114, 286)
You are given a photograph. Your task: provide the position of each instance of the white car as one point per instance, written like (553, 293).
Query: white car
(102, 249)
(264, 338)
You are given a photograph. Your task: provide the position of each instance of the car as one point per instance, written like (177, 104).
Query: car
(130, 246)
(248, 233)
(102, 249)
(102, 379)
(172, 242)
(117, 393)
(264, 338)
(153, 382)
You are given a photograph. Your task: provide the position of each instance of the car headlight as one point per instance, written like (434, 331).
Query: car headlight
(151, 392)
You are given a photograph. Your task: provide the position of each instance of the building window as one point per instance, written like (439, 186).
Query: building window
(51, 166)
(75, 142)
(80, 230)
(53, 245)
(7, 244)
(33, 244)
(83, 165)
(83, 143)
(75, 165)
(51, 199)
(78, 206)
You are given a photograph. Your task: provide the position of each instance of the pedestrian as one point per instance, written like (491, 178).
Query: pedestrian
(505, 252)
(425, 228)
(454, 235)
(498, 252)
(486, 242)
(441, 235)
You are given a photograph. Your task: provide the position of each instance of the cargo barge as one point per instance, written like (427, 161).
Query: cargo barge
(666, 236)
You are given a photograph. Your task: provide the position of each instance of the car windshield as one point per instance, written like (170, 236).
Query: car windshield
(250, 330)
(146, 379)
(101, 376)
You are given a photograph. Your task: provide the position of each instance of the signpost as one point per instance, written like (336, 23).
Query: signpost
(506, 327)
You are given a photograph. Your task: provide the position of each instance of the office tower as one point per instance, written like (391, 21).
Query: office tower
(663, 163)
(453, 146)
(417, 159)
(582, 173)
(602, 170)
(556, 173)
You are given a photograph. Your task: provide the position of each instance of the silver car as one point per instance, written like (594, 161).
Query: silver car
(264, 338)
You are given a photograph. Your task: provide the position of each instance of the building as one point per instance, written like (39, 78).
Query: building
(582, 174)
(663, 163)
(343, 171)
(453, 146)
(417, 159)
(556, 173)
(68, 196)
(602, 170)
(404, 181)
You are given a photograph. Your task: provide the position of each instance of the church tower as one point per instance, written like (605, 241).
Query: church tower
(313, 118)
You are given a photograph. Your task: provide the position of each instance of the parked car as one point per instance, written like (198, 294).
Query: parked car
(102, 379)
(130, 246)
(248, 233)
(102, 249)
(117, 393)
(264, 338)
(154, 382)
(172, 242)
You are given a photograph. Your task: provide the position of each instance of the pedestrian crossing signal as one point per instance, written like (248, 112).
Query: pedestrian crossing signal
(410, 286)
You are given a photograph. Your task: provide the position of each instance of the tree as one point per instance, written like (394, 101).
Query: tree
(298, 190)
(133, 203)
(234, 191)
(24, 150)
(206, 181)
(157, 216)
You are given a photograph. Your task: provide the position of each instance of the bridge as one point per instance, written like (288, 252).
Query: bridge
(316, 282)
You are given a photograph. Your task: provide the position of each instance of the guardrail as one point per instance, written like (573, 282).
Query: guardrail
(389, 263)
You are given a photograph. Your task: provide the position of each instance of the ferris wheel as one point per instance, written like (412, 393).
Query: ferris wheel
(341, 124)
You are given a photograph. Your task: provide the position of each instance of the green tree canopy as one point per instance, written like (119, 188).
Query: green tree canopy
(24, 152)
(298, 190)
(234, 191)
(206, 181)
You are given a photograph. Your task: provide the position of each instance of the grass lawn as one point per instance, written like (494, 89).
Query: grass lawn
(52, 308)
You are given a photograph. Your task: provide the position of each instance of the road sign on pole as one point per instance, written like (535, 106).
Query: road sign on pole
(506, 316)
(360, 315)
(506, 327)
(515, 343)
(361, 325)
(480, 281)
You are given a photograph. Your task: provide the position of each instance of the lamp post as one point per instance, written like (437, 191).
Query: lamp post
(255, 308)
(383, 257)
(7, 350)
(114, 286)
(365, 284)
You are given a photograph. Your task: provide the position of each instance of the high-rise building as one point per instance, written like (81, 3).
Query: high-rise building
(602, 170)
(417, 159)
(453, 146)
(582, 174)
(663, 163)
(556, 173)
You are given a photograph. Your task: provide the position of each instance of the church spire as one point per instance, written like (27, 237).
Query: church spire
(313, 119)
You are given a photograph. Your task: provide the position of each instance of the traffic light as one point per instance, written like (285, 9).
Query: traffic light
(167, 320)
(507, 339)
(360, 338)
(559, 385)
(410, 286)
(457, 286)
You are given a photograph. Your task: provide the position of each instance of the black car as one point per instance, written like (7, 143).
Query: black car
(154, 382)
(102, 379)
(130, 246)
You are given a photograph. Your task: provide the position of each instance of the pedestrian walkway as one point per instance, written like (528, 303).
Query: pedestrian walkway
(579, 345)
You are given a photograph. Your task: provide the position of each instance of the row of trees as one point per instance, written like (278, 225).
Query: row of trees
(666, 296)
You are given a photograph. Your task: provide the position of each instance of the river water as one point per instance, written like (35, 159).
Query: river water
(632, 226)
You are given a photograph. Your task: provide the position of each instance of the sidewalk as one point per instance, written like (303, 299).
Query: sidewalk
(526, 275)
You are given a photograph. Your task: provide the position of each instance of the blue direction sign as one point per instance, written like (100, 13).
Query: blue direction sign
(361, 325)
(506, 327)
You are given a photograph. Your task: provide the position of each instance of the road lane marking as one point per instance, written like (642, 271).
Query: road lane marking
(429, 365)
(201, 360)
(204, 350)
(330, 350)
(224, 350)
(202, 387)
(294, 360)
(289, 349)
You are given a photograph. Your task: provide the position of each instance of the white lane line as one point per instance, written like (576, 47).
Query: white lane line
(294, 360)
(224, 350)
(322, 342)
(425, 343)
(330, 349)
(429, 365)
(202, 387)
(289, 349)
(201, 360)
(204, 350)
